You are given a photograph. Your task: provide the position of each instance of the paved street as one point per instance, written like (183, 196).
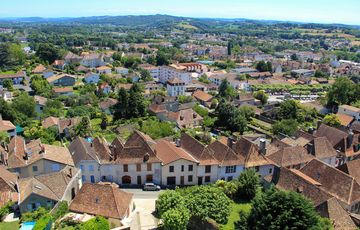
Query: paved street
(143, 218)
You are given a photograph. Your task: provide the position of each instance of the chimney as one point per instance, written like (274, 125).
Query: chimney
(318, 124)
(310, 148)
(350, 139)
(262, 146)
(70, 172)
(194, 115)
(230, 142)
(181, 118)
(178, 142)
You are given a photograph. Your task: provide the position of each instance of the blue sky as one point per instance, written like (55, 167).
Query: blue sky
(326, 11)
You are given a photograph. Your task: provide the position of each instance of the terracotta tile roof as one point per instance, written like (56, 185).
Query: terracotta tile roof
(109, 102)
(63, 89)
(155, 108)
(202, 96)
(9, 192)
(68, 123)
(39, 69)
(291, 156)
(197, 150)
(57, 77)
(355, 126)
(40, 100)
(102, 149)
(103, 200)
(59, 63)
(6, 125)
(167, 152)
(340, 218)
(16, 75)
(250, 152)
(334, 135)
(345, 120)
(50, 121)
(103, 68)
(322, 148)
(351, 168)
(175, 81)
(334, 181)
(139, 148)
(185, 117)
(296, 181)
(36, 151)
(225, 155)
(80, 150)
(300, 141)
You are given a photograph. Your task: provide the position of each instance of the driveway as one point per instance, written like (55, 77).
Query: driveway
(142, 217)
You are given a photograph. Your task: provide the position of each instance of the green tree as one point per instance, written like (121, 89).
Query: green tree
(53, 108)
(263, 66)
(47, 52)
(208, 202)
(289, 110)
(185, 99)
(97, 223)
(121, 108)
(156, 129)
(83, 129)
(228, 187)
(41, 86)
(4, 138)
(176, 219)
(343, 91)
(230, 117)
(332, 120)
(226, 90)
(136, 102)
(170, 199)
(261, 96)
(104, 121)
(11, 55)
(7, 83)
(204, 79)
(288, 127)
(145, 75)
(24, 104)
(249, 183)
(277, 209)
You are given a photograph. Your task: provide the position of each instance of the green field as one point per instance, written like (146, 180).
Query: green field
(234, 214)
(9, 225)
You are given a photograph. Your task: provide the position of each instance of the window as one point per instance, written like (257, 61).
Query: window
(207, 179)
(190, 168)
(49, 204)
(171, 168)
(83, 178)
(126, 169)
(91, 168)
(92, 179)
(190, 178)
(182, 168)
(230, 178)
(257, 168)
(35, 168)
(270, 170)
(208, 169)
(138, 167)
(149, 167)
(230, 169)
(82, 168)
(55, 167)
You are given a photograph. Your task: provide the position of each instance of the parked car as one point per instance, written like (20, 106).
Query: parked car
(151, 187)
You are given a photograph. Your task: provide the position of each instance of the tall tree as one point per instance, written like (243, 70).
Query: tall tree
(48, 52)
(11, 55)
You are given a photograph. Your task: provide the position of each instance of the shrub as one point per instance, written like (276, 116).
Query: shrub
(176, 219)
(169, 200)
(6, 209)
(249, 182)
(60, 210)
(33, 216)
(43, 222)
(97, 223)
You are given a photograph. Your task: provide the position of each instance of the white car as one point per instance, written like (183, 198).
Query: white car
(151, 187)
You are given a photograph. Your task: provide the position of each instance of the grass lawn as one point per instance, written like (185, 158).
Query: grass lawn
(9, 225)
(234, 214)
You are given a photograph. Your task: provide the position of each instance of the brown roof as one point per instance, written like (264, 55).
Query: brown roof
(102, 149)
(139, 148)
(63, 89)
(352, 168)
(50, 121)
(296, 181)
(202, 96)
(167, 152)
(51, 185)
(224, 154)
(103, 200)
(334, 181)
(16, 75)
(40, 100)
(68, 123)
(175, 81)
(36, 151)
(184, 117)
(345, 120)
(250, 152)
(196, 149)
(340, 218)
(8, 186)
(109, 102)
(80, 150)
(39, 69)
(322, 148)
(6, 125)
(155, 108)
(291, 156)
(57, 77)
(334, 135)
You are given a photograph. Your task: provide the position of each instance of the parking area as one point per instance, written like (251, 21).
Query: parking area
(143, 218)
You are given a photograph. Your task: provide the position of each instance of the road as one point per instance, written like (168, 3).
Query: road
(142, 218)
(140, 194)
